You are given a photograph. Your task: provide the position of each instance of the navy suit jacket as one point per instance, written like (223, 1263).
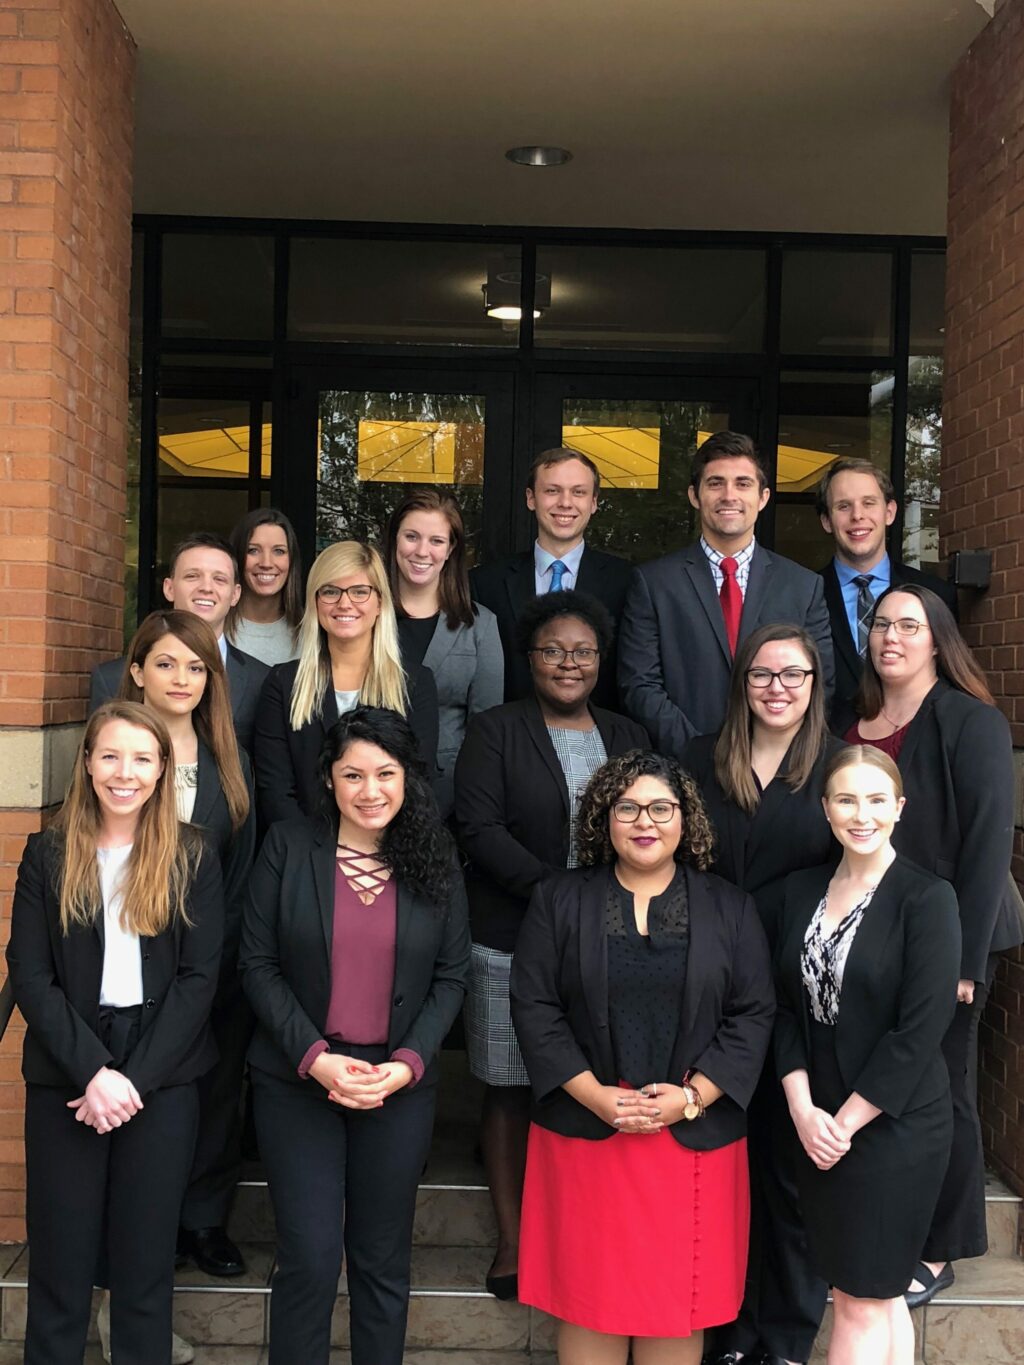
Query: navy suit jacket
(505, 588)
(245, 682)
(674, 659)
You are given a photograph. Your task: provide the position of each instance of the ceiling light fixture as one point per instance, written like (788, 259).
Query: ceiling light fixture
(503, 292)
(538, 156)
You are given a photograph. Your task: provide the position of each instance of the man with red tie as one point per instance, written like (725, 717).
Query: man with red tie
(686, 612)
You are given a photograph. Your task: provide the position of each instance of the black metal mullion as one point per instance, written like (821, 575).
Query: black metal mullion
(900, 398)
(148, 434)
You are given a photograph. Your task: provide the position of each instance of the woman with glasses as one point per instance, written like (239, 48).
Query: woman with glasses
(348, 656)
(439, 625)
(265, 621)
(762, 778)
(642, 998)
(518, 781)
(924, 701)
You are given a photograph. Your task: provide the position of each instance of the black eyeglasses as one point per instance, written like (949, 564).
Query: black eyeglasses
(552, 654)
(628, 812)
(789, 677)
(358, 593)
(906, 625)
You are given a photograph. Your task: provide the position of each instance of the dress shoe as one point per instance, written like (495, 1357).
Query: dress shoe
(932, 1284)
(503, 1286)
(214, 1252)
(182, 1351)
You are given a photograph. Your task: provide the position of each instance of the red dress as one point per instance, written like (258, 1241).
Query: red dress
(634, 1235)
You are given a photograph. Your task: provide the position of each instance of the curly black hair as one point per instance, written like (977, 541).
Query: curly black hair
(416, 846)
(539, 611)
(606, 785)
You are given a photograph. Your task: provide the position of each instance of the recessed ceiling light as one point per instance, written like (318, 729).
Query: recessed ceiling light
(538, 156)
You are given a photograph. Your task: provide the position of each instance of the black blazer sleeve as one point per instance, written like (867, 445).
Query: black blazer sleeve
(788, 1041)
(481, 810)
(276, 788)
(259, 960)
(185, 1008)
(46, 1009)
(423, 716)
(641, 675)
(819, 627)
(927, 1000)
(735, 1056)
(441, 1004)
(546, 1039)
(236, 865)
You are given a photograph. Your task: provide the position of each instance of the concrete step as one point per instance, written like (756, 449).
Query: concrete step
(11, 1354)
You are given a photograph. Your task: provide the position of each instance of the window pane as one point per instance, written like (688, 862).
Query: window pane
(799, 534)
(837, 303)
(928, 303)
(644, 451)
(924, 435)
(383, 292)
(650, 299)
(375, 447)
(218, 285)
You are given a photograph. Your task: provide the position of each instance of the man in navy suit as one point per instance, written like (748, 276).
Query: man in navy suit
(686, 612)
(561, 492)
(202, 579)
(857, 504)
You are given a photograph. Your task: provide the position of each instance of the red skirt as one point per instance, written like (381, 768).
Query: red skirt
(634, 1235)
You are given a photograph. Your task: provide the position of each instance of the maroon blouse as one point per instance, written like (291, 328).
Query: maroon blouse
(891, 744)
(362, 973)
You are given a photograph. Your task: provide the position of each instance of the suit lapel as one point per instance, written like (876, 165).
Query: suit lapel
(589, 577)
(757, 591)
(700, 947)
(917, 726)
(521, 584)
(594, 959)
(323, 860)
(538, 732)
(840, 622)
(442, 642)
(774, 801)
(207, 789)
(698, 570)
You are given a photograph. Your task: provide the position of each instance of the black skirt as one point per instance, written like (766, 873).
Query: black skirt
(867, 1218)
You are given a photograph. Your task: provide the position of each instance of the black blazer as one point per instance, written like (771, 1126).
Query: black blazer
(957, 770)
(512, 809)
(286, 760)
(235, 850)
(849, 664)
(246, 676)
(674, 660)
(899, 987)
(285, 959)
(559, 991)
(507, 585)
(56, 981)
(788, 830)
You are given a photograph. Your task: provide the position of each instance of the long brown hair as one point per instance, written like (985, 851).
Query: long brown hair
(453, 584)
(291, 593)
(164, 852)
(212, 714)
(733, 761)
(954, 661)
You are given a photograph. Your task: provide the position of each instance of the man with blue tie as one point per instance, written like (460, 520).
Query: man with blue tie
(561, 492)
(857, 504)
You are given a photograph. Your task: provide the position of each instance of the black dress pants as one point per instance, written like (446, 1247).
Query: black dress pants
(217, 1164)
(343, 1184)
(114, 1196)
(959, 1226)
(783, 1299)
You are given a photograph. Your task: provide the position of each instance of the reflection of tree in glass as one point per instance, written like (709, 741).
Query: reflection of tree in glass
(924, 437)
(643, 523)
(354, 508)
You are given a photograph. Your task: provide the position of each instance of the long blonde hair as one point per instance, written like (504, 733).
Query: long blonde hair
(164, 852)
(212, 714)
(384, 683)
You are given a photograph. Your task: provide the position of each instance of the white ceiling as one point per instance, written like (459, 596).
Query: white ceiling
(790, 115)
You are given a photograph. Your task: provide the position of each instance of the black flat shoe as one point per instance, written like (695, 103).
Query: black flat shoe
(214, 1252)
(503, 1286)
(932, 1284)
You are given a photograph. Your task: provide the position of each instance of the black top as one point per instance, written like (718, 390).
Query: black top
(414, 636)
(645, 979)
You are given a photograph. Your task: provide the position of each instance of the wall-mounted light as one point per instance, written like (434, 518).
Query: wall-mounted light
(503, 293)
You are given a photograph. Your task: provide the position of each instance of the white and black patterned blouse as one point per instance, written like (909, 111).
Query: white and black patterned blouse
(823, 958)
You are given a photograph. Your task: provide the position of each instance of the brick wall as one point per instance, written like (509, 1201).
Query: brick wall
(66, 122)
(983, 455)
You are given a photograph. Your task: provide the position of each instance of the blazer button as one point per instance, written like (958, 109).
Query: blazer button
(151, 1004)
(398, 1000)
(145, 957)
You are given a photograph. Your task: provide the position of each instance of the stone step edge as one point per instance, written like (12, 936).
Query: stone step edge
(423, 1185)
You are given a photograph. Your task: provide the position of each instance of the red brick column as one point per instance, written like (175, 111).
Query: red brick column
(66, 123)
(983, 457)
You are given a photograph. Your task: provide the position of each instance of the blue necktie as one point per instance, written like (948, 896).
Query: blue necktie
(557, 574)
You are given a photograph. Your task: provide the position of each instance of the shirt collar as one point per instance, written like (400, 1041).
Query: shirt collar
(742, 557)
(543, 561)
(222, 642)
(881, 573)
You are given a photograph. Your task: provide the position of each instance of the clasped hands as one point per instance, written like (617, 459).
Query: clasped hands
(824, 1137)
(356, 1084)
(110, 1100)
(646, 1110)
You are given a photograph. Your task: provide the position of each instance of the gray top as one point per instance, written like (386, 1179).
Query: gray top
(271, 643)
(580, 753)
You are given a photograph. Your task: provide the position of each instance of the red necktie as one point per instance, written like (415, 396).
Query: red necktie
(732, 601)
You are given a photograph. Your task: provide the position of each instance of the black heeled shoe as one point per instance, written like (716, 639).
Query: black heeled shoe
(505, 1287)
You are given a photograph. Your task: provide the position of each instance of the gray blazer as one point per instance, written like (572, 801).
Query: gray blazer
(469, 668)
(245, 679)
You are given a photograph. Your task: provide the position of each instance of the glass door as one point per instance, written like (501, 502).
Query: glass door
(641, 433)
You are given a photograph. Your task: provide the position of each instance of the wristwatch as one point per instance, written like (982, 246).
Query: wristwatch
(694, 1106)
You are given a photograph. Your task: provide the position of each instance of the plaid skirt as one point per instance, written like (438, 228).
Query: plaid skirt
(494, 1055)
